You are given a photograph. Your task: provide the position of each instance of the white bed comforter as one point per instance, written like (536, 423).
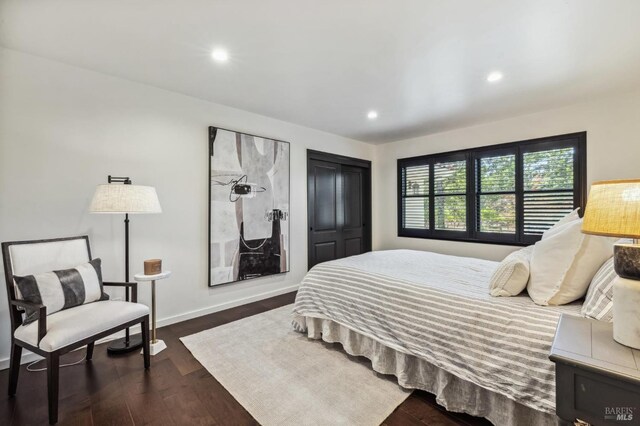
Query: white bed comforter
(438, 308)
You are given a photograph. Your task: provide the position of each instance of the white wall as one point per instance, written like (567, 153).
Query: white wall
(613, 151)
(64, 129)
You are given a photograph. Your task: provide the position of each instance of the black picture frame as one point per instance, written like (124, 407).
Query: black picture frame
(212, 133)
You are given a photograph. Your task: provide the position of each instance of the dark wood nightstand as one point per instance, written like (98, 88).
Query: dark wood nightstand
(597, 379)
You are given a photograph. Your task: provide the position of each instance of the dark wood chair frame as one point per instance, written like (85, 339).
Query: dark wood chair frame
(53, 358)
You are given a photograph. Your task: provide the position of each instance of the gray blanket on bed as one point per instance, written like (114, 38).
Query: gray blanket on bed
(438, 308)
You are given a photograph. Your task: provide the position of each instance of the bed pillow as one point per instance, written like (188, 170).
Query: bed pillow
(574, 215)
(63, 289)
(564, 263)
(512, 275)
(599, 301)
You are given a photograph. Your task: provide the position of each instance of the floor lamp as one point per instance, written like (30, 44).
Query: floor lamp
(119, 196)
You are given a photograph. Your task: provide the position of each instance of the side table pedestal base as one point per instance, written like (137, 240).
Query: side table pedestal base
(157, 347)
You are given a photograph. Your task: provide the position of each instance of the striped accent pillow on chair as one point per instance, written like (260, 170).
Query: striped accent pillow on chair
(63, 289)
(598, 304)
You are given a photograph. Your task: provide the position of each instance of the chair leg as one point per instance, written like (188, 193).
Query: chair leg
(145, 342)
(90, 351)
(14, 368)
(53, 376)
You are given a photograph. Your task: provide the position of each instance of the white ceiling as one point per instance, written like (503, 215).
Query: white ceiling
(324, 63)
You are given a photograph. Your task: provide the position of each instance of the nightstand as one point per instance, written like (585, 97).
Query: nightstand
(597, 379)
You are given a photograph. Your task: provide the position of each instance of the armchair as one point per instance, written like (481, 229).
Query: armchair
(63, 331)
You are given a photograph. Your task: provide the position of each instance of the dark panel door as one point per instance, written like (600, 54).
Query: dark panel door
(337, 210)
(353, 190)
(325, 199)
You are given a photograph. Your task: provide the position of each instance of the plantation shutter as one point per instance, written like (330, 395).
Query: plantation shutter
(496, 194)
(548, 178)
(415, 197)
(450, 188)
(506, 194)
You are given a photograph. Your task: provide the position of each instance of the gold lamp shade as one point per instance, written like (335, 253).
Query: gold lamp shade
(613, 209)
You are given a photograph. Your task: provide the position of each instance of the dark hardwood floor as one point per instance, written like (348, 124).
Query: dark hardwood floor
(177, 390)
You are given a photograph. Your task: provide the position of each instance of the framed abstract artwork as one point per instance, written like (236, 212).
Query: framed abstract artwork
(248, 206)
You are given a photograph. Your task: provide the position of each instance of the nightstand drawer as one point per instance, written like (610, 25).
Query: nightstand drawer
(597, 399)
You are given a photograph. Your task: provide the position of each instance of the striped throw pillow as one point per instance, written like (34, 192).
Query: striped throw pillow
(512, 274)
(60, 290)
(598, 304)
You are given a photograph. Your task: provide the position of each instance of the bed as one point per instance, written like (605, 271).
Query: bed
(429, 320)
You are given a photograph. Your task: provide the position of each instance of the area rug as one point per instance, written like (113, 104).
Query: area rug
(282, 378)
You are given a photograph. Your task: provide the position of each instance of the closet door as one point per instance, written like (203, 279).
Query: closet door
(325, 215)
(338, 209)
(353, 191)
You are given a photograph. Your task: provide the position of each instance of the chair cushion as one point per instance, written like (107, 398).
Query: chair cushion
(63, 289)
(35, 258)
(72, 325)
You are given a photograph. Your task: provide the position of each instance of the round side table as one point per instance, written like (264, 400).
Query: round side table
(156, 345)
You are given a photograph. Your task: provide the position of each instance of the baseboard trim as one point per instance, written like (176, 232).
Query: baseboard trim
(226, 305)
(28, 356)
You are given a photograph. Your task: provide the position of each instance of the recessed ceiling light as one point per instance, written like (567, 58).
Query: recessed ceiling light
(494, 76)
(220, 55)
(372, 115)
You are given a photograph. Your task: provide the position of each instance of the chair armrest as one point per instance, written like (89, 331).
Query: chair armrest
(119, 284)
(133, 286)
(42, 315)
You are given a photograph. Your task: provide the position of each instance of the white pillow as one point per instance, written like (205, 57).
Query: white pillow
(563, 264)
(570, 217)
(512, 275)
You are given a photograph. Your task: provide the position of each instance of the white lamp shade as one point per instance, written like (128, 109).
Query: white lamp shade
(118, 198)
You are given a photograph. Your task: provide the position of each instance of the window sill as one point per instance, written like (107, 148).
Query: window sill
(468, 240)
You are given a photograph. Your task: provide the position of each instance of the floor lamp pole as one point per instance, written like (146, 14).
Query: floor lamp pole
(126, 248)
(127, 344)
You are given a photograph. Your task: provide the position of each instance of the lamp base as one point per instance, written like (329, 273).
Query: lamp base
(626, 260)
(626, 315)
(121, 346)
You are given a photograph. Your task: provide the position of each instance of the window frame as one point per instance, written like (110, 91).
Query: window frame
(577, 140)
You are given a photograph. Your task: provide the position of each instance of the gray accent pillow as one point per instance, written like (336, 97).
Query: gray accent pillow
(598, 304)
(63, 289)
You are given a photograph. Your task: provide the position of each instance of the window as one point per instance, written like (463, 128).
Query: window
(496, 195)
(449, 195)
(415, 197)
(509, 193)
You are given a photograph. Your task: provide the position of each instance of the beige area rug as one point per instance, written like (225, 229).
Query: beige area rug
(283, 378)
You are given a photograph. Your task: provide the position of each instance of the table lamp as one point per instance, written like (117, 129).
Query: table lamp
(613, 210)
(119, 196)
